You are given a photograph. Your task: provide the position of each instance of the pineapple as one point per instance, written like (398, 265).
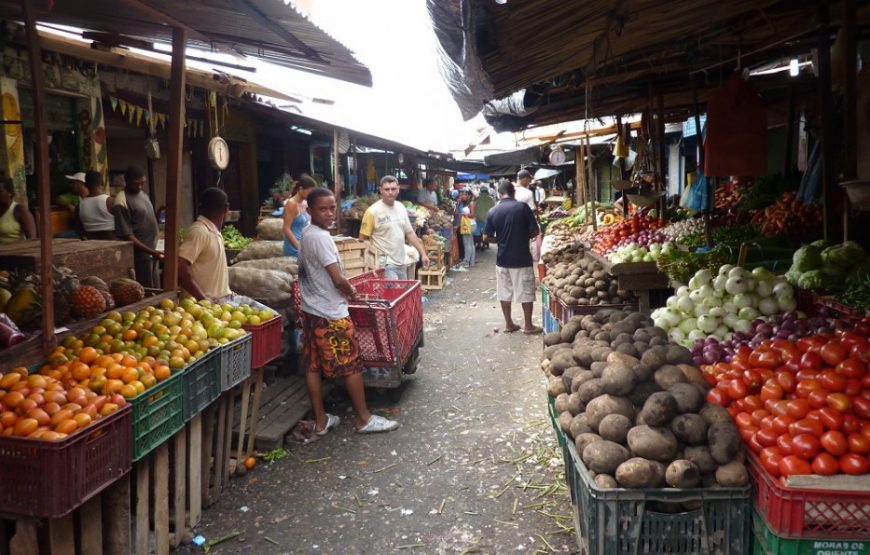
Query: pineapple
(126, 291)
(87, 302)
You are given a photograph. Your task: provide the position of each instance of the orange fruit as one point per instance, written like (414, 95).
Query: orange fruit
(67, 426)
(250, 463)
(40, 416)
(8, 419)
(36, 380)
(113, 386)
(88, 355)
(81, 372)
(8, 380)
(140, 387)
(26, 426)
(108, 408)
(13, 399)
(114, 372)
(162, 372)
(82, 419)
(129, 361)
(98, 384)
(27, 404)
(128, 391)
(60, 416)
(50, 435)
(148, 380)
(51, 408)
(55, 397)
(129, 375)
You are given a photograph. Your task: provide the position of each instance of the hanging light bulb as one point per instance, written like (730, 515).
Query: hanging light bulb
(794, 68)
(501, 2)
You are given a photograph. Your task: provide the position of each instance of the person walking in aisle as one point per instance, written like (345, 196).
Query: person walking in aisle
(296, 214)
(511, 224)
(330, 346)
(95, 209)
(136, 222)
(386, 223)
(467, 226)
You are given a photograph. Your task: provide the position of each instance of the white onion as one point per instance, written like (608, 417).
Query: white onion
(704, 276)
(685, 304)
(695, 335)
(719, 283)
(717, 312)
(742, 300)
(786, 303)
(748, 313)
(683, 291)
(676, 335)
(768, 306)
(688, 325)
(764, 289)
(696, 295)
(736, 284)
(743, 326)
(737, 271)
(730, 320)
(700, 310)
(707, 323)
(725, 269)
(783, 289)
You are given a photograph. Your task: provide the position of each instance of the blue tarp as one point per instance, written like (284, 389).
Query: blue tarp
(462, 176)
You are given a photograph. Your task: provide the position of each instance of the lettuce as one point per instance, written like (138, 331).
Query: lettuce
(807, 258)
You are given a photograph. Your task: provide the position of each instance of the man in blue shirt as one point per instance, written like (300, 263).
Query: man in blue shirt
(511, 224)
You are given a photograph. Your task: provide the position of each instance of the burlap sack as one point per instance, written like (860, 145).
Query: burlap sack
(261, 249)
(286, 264)
(270, 287)
(270, 229)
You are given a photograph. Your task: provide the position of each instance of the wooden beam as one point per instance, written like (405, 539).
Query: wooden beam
(850, 104)
(34, 51)
(829, 193)
(174, 159)
(161, 17)
(281, 31)
(336, 176)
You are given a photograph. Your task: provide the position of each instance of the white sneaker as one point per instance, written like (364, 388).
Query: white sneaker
(377, 424)
(331, 422)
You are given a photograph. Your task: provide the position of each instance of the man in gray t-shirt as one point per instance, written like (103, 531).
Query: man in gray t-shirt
(321, 297)
(135, 222)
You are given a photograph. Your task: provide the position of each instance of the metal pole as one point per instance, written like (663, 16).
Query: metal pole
(174, 159)
(829, 193)
(336, 175)
(34, 52)
(850, 104)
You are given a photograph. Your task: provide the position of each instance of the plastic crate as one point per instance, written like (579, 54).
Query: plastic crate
(266, 340)
(628, 521)
(388, 320)
(564, 312)
(769, 543)
(157, 414)
(48, 479)
(235, 362)
(545, 296)
(201, 383)
(549, 321)
(802, 512)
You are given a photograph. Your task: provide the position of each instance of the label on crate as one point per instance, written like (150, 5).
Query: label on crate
(833, 547)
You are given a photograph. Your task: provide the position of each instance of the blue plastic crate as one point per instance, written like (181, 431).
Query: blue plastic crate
(550, 322)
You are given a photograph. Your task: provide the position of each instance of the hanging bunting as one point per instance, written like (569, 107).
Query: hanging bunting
(131, 114)
(123, 108)
(114, 102)
(139, 113)
(147, 116)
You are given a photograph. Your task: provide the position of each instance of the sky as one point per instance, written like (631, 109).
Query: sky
(408, 102)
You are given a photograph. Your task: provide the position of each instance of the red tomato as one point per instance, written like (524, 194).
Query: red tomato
(806, 374)
(768, 451)
(743, 420)
(771, 463)
(771, 391)
(852, 367)
(766, 438)
(861, 351)
(718, 396)
(830, 418)
(832, 381)
(783, 443)
(737, 389)
(815, 416)
(858, 444)
(806, 426)
(865, 381)
(865, 430)
(766, 422)
(798, 408)
(758, 415)
(792, 465)
(806, 446)
(811, 361)
(810, 343)
(753, 403)
(747, 433)
(781, 424)
(752, 379)
(818, 398)
(833, 353)
(804, 387)
(861, 407)
(851, 424)
(778, 408)
(853, 387)
(754, 445)
(834, 442)
(765, 358)
(786, 381)
(839, 401)
(854, 464)
(825, 465)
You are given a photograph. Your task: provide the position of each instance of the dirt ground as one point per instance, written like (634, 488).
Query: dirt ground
(474, 467)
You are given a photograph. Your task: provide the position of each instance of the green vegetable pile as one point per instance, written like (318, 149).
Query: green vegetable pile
(767, 189)
(233, 238)
(680, 266)
(728, 235)
(831, 267)
(857, 292)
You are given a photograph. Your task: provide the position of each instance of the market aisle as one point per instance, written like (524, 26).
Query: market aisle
(450, 480)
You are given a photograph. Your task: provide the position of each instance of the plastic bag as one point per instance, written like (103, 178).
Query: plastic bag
(9, 332)
(699, 196)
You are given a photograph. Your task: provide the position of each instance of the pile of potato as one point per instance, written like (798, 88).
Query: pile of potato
(560, 245)
(634, 406)
(583, 281)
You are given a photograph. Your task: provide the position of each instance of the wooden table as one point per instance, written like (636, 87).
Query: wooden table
(108, 260)
(639, 277)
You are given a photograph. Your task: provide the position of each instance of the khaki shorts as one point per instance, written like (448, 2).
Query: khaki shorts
(516, 284)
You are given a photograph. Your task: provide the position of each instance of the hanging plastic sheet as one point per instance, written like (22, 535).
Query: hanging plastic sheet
(736, 141)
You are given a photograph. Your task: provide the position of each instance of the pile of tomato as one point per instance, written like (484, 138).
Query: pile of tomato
(802, 407)
(608, 237)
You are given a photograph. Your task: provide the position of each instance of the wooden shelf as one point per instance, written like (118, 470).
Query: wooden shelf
(639, 277)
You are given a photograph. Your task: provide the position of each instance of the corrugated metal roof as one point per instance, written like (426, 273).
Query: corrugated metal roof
(268, 29)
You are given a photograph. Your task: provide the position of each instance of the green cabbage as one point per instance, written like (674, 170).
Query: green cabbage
(843, 256)
(793, 276)
(821, 243)
(814, 279)
(806, 258)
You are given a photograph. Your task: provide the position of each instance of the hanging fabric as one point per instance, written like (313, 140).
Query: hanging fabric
(736, 141)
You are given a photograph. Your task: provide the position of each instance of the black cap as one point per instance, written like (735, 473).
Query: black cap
(524, 173)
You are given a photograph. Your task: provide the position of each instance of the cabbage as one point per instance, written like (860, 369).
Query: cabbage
(793, 276)
(806, 258)
(843, 256)
(814, 279)
(821, 243)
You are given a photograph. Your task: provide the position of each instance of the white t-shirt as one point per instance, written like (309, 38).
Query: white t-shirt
(387, 227)
(525, 195)
(320, 297)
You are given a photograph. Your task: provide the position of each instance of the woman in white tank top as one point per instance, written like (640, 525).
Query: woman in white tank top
(95, 211)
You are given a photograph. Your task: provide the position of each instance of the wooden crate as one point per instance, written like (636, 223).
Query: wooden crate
(352, 254)
(108, 260)
(432, 279)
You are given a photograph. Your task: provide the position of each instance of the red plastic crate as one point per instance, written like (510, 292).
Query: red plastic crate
(266, 342)
(48, 479)
(809, 513)
(564, 312)
(388, 320)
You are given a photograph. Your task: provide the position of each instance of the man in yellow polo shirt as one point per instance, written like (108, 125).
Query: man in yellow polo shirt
(202, 266)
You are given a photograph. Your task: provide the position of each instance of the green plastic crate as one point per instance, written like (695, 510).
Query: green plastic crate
(768, 543)
(157, 414)
(202, 383)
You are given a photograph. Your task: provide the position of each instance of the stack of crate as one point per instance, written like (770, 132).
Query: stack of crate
(352, 254)
(433, 277)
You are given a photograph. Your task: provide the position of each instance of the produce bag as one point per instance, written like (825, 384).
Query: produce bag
(286, 264)
(270, 229)
(269, 287)
(9, 332)
(261, 249)
(736, 141)
(699, 197)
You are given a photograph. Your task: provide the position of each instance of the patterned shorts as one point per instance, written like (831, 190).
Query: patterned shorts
(330, 347)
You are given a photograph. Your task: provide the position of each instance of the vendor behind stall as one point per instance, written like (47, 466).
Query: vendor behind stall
(135, 222)
(16, 221)
(428, 196)
(202, 260)
(77, 190)
(94, 212)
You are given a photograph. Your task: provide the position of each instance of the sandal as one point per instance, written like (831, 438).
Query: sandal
(535, 330)
(377, 424)
(331, 422)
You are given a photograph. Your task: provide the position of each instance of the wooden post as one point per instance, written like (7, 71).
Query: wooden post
(255, 410)
(336, 176)
(660, 131)
(195, 483)
(579, 180)
(593, 194)
(789, 130)
(40, 120)
(174, 157)
(116, 517)
(850, 104)
(161, 499)
(180, 486)
(700, 140)
(829, 192)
